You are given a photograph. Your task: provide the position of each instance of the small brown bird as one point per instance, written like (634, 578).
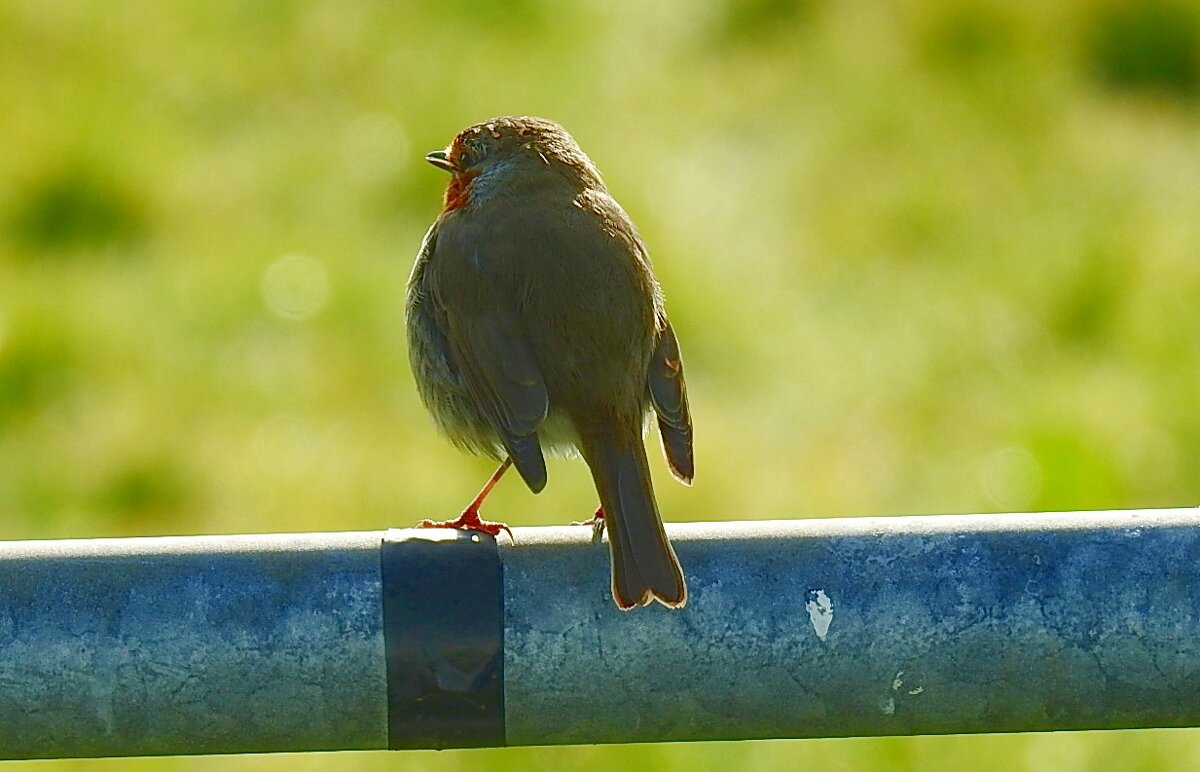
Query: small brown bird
(535, 321)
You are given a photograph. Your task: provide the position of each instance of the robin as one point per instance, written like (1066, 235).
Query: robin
(535, 322)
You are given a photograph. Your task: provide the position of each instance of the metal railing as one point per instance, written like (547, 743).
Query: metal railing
(406, 639)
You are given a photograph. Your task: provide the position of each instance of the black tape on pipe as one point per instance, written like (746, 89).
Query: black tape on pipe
(443, 627)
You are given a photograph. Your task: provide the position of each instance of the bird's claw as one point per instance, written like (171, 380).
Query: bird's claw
(470, 521)
(596, 521)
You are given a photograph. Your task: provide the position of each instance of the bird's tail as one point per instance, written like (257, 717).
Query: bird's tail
(644, 566)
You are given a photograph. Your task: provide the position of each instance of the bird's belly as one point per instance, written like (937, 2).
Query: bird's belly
(558, 435)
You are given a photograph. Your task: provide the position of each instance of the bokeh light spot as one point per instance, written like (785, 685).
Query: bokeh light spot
(374, 147)
(1012, 478)
(295, 286)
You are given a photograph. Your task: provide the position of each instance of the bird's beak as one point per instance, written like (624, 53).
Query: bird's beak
(441, 160)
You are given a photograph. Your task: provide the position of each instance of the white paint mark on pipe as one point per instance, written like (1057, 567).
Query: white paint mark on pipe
(820, 612)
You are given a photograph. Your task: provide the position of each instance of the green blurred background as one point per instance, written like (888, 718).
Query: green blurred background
(923, 257)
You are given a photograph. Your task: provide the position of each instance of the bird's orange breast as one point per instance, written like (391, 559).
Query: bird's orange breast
(458, 192)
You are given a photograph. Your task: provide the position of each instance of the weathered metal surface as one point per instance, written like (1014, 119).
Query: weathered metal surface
(124, 647)
(890, 626)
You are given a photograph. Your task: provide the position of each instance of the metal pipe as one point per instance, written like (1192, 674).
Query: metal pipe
(806, 628)
(211, 644)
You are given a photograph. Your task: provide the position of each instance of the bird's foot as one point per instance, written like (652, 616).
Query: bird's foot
(470, 520)
(596, 521)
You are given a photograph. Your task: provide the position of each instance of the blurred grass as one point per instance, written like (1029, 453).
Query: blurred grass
(933, 257)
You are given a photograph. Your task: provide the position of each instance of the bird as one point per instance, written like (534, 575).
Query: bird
(535, 323)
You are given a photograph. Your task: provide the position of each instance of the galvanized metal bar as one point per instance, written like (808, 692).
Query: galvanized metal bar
(817, 628)
(222, 644)
(879, 626)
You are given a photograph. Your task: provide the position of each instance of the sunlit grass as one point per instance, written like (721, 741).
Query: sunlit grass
(935, 258)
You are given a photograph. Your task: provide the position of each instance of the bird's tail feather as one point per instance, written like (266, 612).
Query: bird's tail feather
(644, 566)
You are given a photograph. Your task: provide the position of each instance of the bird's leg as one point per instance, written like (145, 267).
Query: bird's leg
(596, 521)
(469, 520)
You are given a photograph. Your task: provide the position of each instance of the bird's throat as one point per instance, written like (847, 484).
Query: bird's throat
(458, 192)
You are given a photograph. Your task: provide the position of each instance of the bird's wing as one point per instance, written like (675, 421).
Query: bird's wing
(668, 394)
(492, 355)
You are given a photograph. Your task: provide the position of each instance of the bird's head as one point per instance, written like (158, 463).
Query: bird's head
(510, 154)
